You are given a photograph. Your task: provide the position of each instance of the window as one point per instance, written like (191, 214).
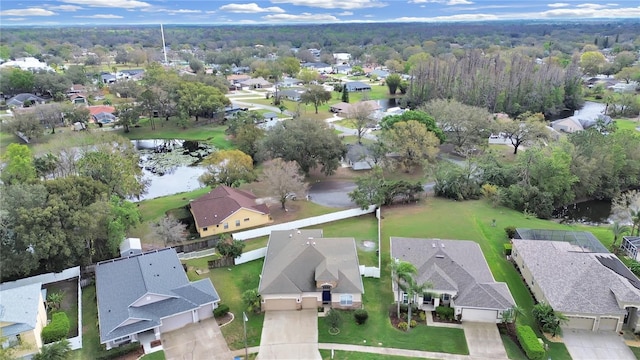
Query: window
(122, 339)
(445, 297)
(346, 300)
(237, 222)
(405, 298)
(246, 219)
(226, 225)
(205, 229)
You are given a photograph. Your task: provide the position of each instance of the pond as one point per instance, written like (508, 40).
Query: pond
(170, 166)
(587, 212)
(589, 111)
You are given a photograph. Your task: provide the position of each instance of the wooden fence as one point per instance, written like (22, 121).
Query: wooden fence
(218, 263)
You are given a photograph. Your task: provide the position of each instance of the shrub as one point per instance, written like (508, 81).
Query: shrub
(422, 316)
(413, 323)
(57, 329)
(221, 310)
(333, 319)
(529, 342)
(507, 249)
(402, 325)
(445, 312)
(361, 316)
(511, 231)
(404, 308)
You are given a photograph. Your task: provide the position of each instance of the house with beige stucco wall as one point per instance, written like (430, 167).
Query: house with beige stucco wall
(304, 270)
(225, 209)
(22, 318)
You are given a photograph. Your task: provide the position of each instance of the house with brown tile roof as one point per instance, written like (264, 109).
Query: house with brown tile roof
(225, 209)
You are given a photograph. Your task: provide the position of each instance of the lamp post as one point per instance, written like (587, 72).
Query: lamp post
(244, 322)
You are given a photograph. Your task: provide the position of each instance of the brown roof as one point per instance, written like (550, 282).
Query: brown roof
(240, 77)
(97, 109)
(220, 203)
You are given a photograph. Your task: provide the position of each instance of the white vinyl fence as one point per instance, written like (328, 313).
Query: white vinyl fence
(316, 220)
(370, 271)
(251, 255)
(196, 254)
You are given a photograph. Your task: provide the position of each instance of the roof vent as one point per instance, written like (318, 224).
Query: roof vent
(307, 243)
(433, 245)
(299, 232)
(314, 243)
(440, 256)
(290, 235)
(442, 245)
(310, 238)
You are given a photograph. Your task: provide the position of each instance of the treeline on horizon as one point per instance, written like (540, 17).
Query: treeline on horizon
(566, 37)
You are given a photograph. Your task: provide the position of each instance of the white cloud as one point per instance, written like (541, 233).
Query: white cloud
(446, 2)
(185, 11)
(16, 19)
(591, 6)
(249, 8)
(346, 13)
(592, 13)
(65, 7)
(459, 17)
(304, 17)
(334, 4)
(27, 12)
(124, 4)
(558, 5)
(99, 16)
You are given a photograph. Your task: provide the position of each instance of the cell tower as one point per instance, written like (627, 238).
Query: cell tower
(164, 46)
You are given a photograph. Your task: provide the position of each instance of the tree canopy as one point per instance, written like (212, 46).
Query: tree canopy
(419, 116)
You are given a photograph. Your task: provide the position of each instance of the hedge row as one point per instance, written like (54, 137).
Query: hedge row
(445, 312)
(57, 329)
(529, 342)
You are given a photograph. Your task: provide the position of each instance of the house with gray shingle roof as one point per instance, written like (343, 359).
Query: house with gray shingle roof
(225, 209)
(144, 295)
(304, 270)
(588, 284)
(459, 276)
(22, 318)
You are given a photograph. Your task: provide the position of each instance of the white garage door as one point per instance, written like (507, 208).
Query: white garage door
(479, 315)
(581, 323)
(608, 324)
(176, 322)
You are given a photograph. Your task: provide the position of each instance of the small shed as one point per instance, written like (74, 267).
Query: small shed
(130, 246)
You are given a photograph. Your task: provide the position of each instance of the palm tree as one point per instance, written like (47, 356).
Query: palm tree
(618, 230)
(511, 315)
(414, 288)
(401, 272)
(60, 350)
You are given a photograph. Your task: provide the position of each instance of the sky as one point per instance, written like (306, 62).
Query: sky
(115, 12)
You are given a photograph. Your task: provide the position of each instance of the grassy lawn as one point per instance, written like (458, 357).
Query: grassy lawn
(211, 134)
(6, 139)
(350, 355)
(91, 347)
(367, 226)
(636, 351)
(513, 350)
(158, 355)
(627, 124)
(471, 220)
(230, 284)
(378, 330)
(154, 209)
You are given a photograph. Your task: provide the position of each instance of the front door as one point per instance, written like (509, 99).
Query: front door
(326, 294)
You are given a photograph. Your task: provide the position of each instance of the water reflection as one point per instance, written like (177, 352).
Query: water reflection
(589, 212)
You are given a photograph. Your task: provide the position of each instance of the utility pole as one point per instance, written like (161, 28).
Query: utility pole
(244, 321)
(164, 47)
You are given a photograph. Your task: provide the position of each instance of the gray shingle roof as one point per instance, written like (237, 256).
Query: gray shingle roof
(296, 259)
(454, 266)
(123, 281)
(19, 306)
(575, 281)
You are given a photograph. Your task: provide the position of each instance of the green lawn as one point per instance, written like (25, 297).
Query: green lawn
(367, 226)
(230, 283)
(211, 134)
(158, 355)
(378, 331)
(154, 209)
(513, 350)
(627, 124)
(6, 139)
(91, 347)
(636, 351)
(350, 355)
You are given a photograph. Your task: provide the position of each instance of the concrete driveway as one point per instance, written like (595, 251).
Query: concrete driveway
(484, 340)
(588, 345)
(290, 335)
(202, 340)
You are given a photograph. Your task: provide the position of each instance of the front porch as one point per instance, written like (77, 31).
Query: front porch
(150, 341)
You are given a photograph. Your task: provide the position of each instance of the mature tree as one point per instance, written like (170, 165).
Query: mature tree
(628, 74)
(345, 93)
(46, 165)
(419, 116)
(60, 350)
(138, 56)
(196, 65)
(19, 167)
(456, 182)
(412, 143)
(370, 189)
(76, 74)
(393, 82)
(359, 115)
(128, 115)
(308, 142)
(401, 272)
(230, 248)
(283, 178)
(241, 118)
(115, 165)
(227, 167)
(248, 138)
(74, 114)
(126, 89)
(51, 115)
(592, 62)
(15, 81)
(308, 75)
(626, 209)
(288, 65)
(27, 123)
(52, 83)
(198, 99)
(624, 59)
(170, 230)
(316, 95)
(467, 127)
(527, 129)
